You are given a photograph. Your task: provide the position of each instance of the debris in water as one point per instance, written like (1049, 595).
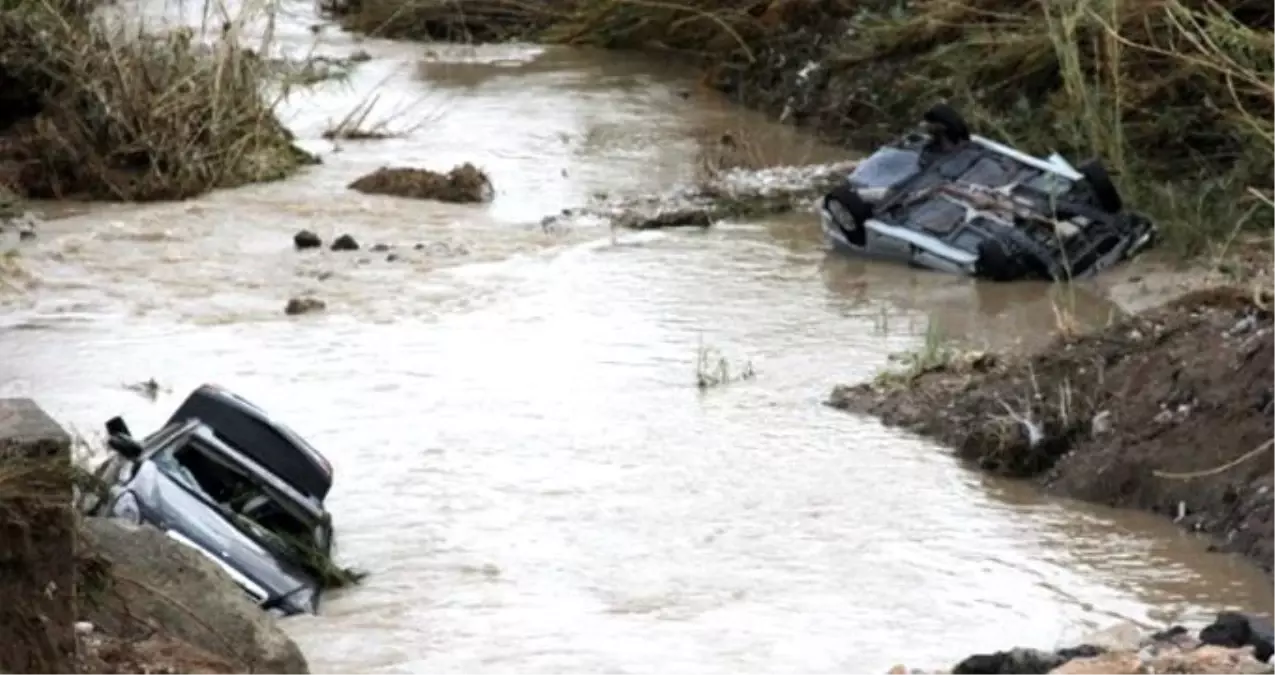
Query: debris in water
(306, 239)
(345, 242)
(304, 305)
(463, 184)
(147, 388)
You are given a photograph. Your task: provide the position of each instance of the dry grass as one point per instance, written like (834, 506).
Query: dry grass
(96, 110)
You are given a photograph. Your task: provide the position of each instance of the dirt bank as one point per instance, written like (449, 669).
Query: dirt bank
(1170, 94)
(1169, 411)
(88, 110)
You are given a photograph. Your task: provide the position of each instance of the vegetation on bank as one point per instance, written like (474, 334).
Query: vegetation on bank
(91, 109)
(1175, 96)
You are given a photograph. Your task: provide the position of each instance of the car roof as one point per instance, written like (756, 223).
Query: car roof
(207, 434)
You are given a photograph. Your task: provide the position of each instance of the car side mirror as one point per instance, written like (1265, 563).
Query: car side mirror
(125, 445)
(116, 426)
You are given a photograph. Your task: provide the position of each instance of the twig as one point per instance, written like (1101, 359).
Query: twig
(1216, 470)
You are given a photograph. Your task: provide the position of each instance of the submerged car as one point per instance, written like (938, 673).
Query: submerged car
(945, 199)
(200, 491)
(250, 430)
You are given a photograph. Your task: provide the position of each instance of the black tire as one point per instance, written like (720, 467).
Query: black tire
(1104, 191)
(996, 264)
(860, 211)
(950, 122)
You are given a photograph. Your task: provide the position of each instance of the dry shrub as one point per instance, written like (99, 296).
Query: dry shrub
(105, 112)
(463, 184)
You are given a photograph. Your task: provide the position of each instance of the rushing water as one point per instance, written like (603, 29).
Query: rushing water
(524, 463)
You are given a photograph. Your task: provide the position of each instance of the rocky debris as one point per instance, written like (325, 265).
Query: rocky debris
(463, 184)
(737, 193)
(1240, 645)
(1234, 629)
(345, 242)
(305, 239)
(304, 304)
(142, 584)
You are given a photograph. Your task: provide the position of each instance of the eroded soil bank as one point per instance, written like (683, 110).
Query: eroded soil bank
(1169, 411)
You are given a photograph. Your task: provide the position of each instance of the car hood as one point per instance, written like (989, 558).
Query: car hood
(192, 521)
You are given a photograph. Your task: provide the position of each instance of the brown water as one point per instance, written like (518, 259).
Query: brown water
(523, 461)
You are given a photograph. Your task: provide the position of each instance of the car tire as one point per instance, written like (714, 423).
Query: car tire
(995, 263)
(859, 210)
(950, 122)
(1104, 190)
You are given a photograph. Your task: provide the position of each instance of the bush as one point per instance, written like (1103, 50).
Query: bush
(94, 111)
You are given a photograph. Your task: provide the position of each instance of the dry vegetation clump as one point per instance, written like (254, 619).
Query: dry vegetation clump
(464, 184)
(90, 110)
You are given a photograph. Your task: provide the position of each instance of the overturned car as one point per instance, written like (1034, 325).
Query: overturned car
(945, 199)
(225, 479)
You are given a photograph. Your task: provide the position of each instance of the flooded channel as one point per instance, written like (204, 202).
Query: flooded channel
(524, 464)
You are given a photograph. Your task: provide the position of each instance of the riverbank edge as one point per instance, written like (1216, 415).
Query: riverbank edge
(1168, 410)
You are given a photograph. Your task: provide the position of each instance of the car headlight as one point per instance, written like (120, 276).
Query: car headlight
(126, 507)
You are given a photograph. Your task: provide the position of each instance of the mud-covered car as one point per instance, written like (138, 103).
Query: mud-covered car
(945, 199)
(185, 480)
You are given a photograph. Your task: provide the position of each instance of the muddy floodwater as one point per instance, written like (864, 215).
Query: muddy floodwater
(523, 461)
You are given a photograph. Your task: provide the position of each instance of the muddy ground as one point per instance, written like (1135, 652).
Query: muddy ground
(1168, 411)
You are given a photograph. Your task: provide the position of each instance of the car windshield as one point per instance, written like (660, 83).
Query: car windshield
(241, 494)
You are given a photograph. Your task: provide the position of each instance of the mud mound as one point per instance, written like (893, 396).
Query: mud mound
(1170, 411)
(463, 184)
(98, 112)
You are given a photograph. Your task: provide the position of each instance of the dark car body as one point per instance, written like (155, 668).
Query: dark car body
(253, 432)
(948, 200)
(149, 482)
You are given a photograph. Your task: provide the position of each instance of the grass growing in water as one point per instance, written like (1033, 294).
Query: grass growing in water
(92, 109)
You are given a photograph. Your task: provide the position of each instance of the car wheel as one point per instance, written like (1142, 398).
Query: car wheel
(1103, 189)
(995, 263)
(850, 211)
(950, 121)
(851, 203)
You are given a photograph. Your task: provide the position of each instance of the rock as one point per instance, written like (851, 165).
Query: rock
(1206, 660)
(345, 242)
(151, 582)
(1124, 636)
(304, 305)
(379, 248)
(463, 184)
(306, 239)
(1234, 629)
(1111, 663)
(1015, 661)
